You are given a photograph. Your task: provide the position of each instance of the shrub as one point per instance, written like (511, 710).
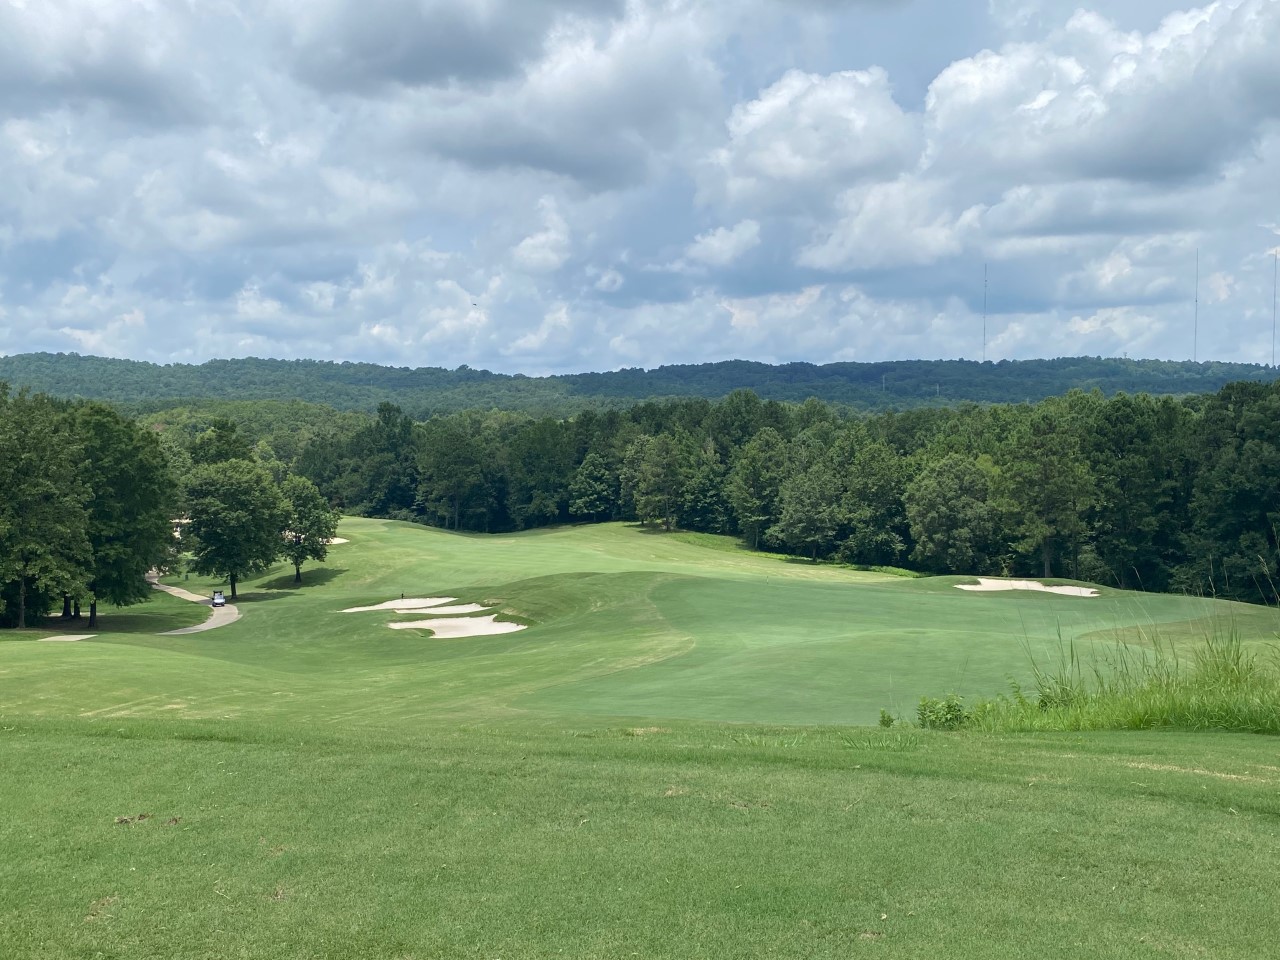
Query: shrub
(946, 713)
(886, 718)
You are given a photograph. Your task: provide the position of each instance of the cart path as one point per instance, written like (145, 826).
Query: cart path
(66, 639)
(218, 617)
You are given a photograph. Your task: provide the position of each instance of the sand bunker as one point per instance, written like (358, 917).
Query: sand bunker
(990, 584)
(460, 627)
(76, 639)
(414, 604)
(334, 540)
(447, 611)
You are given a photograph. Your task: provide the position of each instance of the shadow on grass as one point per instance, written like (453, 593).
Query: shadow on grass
(310, 578)
(658, 530)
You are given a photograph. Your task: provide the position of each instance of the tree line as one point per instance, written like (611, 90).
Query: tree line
(1144, 492)
(88, 500)
(140, 387)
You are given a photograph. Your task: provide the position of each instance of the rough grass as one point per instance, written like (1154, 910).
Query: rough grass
(1220, 684)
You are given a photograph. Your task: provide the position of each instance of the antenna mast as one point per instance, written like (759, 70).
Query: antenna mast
(1275, 275)
(984, 313)
(1195, 329)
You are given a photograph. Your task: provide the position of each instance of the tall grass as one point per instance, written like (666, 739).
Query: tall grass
(1221, 685)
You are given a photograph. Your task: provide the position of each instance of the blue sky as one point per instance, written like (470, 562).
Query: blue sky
(559, 185)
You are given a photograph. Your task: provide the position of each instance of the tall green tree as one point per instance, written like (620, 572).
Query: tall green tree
(809, 511)
(755, 481)
(1142, 457)
(238, 520)
(455, 470)
(658, 473)
(44, 550)
(130, 513)
(223, 441)
(703, 504)
(874, 514)
(1047, 480)
(593, 491)
(310, 523)
(1234, 539)
(953, 518)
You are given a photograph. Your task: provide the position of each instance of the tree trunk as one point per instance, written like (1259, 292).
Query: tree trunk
(22, 602)
(93, 613)
(297, 573)
(1046, 552)
(76, 607)
(66, 606)
(232, 578)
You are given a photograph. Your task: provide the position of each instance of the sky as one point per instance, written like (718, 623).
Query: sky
(551, 186)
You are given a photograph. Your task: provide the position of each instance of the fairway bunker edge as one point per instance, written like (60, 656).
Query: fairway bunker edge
(994, 585)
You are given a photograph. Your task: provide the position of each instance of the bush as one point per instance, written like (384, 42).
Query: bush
(946, 713)
(886, 718)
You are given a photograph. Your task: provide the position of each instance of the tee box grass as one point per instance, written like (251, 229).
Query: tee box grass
(668, 762)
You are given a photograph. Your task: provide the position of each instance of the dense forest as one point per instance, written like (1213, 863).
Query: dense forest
(1155, 493)
(139, 388)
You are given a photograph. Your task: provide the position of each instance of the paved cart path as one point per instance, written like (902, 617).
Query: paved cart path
(218, 617)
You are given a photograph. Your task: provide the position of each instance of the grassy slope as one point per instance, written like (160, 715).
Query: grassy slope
(344, 790)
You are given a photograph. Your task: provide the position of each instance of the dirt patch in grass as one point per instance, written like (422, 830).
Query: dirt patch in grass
(1169, 768)
(98, 909)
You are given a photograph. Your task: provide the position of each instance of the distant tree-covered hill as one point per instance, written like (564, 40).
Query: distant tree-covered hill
(425, 391)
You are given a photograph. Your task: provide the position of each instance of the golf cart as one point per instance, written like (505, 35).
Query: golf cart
(218, 599)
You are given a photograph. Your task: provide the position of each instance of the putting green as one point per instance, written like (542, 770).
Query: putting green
(622, 623)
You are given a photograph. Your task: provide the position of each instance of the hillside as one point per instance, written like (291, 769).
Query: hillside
(425, 391)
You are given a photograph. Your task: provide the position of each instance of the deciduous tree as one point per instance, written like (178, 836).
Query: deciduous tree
(310, 523)
(238, 520)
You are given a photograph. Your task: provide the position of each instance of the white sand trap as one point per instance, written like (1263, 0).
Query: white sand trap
(334, 540)
(413, 603)
(87, 636)
(991, 584)
(460, 627)
(448, 611)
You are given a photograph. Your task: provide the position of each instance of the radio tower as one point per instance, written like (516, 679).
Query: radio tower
(1195, 328)
(984, 313)
(1275, 275)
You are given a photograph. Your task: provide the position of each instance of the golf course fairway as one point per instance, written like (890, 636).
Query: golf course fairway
(676, 757)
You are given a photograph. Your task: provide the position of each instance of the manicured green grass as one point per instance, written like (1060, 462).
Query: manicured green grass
(662, 765)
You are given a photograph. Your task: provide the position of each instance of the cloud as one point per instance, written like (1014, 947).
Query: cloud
(1095, 102)
(345, 45)
(724, 245)
(548, 249)
(806, 134)
(903, 222)
(577, 184)
(602, 106)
